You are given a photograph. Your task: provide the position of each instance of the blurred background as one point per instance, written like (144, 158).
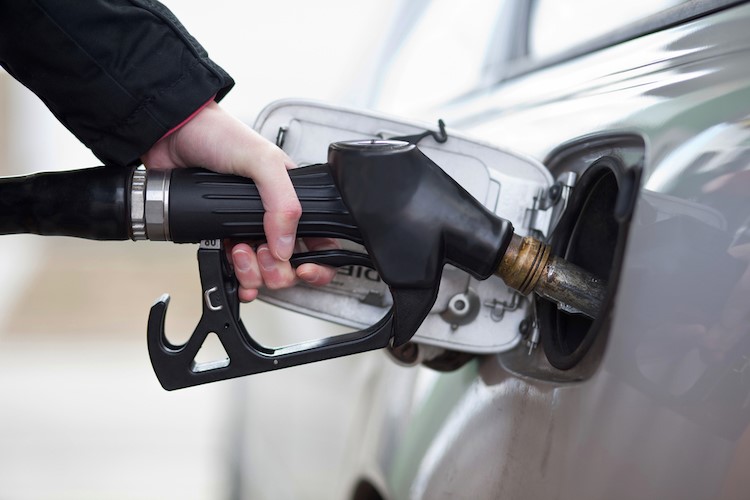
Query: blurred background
(82, 415)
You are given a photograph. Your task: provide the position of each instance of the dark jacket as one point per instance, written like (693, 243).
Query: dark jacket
(119, 74)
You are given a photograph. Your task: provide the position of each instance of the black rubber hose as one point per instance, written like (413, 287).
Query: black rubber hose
(90, 203)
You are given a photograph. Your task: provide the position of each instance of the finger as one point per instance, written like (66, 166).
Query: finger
(280, 228)
(247, 295)
(246, 266)
(315, 274)
(276, 273)
(282, 207)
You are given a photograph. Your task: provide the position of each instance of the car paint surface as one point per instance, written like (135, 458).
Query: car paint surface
(666, 411)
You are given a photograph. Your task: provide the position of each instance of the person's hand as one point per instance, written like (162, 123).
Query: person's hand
(215, 140)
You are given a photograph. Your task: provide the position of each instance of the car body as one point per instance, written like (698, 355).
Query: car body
(651, 400)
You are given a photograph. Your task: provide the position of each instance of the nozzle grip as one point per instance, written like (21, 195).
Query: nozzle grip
(206, 205)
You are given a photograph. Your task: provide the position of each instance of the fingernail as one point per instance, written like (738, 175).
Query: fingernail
(242, 261)
(285, 247)
(265, 259)
(311, 276)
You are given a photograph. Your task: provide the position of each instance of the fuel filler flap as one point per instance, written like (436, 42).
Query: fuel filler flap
(468, 315)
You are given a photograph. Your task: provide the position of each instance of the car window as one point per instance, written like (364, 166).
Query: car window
(443, 49)
(557, 26)
(441, 56)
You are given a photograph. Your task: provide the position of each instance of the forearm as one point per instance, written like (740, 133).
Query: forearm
(118, 74)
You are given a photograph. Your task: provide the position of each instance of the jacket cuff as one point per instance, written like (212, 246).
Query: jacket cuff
(186, 120)
(163, 111)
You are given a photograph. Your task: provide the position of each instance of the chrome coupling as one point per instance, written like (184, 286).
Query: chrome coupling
(149, 205)
(138, 204)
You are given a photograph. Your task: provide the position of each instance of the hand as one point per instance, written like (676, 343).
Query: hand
(215, 140)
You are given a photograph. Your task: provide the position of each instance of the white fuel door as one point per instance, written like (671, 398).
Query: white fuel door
(468, 315)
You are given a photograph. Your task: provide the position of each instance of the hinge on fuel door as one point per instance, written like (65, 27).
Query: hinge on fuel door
(549, 205)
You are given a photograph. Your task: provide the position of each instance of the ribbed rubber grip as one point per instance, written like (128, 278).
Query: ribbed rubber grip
(90, 203)
(206, 205)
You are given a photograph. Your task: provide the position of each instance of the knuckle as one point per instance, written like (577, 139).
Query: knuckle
(291, 212)
(280, 280)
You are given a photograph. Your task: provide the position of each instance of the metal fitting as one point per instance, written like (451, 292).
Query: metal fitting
(462, 309)
(523, 263)
(529, 266)
(157, 204)
(138, 205)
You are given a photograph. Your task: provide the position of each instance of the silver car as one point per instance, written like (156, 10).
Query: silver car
(641, 115)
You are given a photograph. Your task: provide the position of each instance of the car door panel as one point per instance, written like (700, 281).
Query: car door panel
(665, 413)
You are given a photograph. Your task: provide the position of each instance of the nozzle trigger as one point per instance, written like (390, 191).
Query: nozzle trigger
(175, 365)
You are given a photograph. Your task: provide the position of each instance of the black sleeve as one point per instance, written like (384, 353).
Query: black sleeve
(119, 74)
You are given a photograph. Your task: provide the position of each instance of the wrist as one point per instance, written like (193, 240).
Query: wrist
(161, 154)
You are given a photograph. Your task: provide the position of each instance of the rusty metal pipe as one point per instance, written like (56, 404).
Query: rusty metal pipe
(529, 266)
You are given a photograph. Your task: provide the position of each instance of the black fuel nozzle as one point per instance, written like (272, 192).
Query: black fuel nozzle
(411, 217)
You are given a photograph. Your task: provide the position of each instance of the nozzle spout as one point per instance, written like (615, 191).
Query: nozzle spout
(529, 266)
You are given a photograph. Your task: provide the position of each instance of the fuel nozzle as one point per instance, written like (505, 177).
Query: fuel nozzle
(528, 265)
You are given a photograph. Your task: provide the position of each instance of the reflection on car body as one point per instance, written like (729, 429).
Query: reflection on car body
(652, 400)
